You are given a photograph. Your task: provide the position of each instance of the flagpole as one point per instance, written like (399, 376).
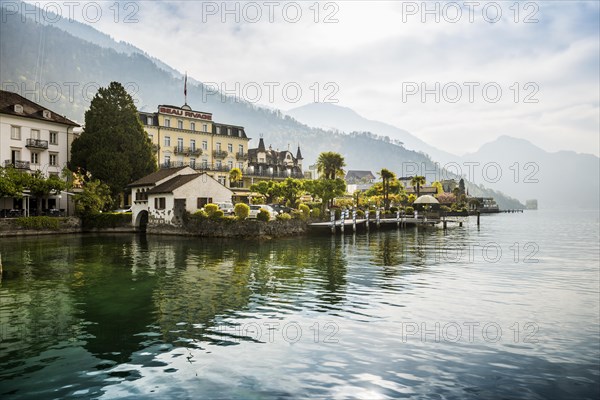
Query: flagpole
(185, 88)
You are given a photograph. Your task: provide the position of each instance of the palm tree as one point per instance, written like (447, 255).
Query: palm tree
(417, 181)
(235, 175)
(387, 177)
(330, 165)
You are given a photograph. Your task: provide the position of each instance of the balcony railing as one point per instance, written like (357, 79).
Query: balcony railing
(37, 143)
(220, 154)
(17, 164)
(197, 166)
(187, 151)
(241, 156)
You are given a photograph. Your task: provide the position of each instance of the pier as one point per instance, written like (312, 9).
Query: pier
(352, 224)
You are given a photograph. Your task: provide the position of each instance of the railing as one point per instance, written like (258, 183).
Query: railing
(187, 151)
(197, 166)
(220, 154)
(37, 143)
(17, 164)
(273, 174)
(241, 156)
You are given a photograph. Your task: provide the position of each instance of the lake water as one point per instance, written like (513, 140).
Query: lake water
(507, 311)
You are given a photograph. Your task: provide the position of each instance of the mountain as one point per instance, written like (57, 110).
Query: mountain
(331, 116)
(557, 180)
(62, 72)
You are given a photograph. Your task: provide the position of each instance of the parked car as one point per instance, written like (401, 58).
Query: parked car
(227, 208)
(280, 209)
(255, 209)
(122, 210)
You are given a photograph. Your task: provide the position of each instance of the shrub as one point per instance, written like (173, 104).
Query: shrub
(211, 209)
(284, 217)
(297, 214)
(360, 214)
(305, 211)
(241, 211)
(316, 212)
(263, 215)
(445, 209)
(393, 210)
(338, 213)
(41, 223)
(201, 214)
(217, 215)
(409, 210)
(372, 214)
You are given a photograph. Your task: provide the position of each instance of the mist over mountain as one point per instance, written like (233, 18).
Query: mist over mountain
(62, 71)
(333, 116)
(557, 180)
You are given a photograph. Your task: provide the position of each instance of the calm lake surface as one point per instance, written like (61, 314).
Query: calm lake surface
(507, 311)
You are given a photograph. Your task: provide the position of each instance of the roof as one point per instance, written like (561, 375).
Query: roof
(30, 109)
(172, 184)
(154, 177)
(426, 199)
(359, 174)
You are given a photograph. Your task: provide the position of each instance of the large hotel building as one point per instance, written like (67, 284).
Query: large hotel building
(184, 137)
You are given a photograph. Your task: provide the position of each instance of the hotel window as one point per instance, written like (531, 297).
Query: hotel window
(218, 146)
(218, 130)
(204, 163)
(240, 133)
(193, 144)
(204, 145)
(204, 127)
(148, 120)
(53, 137)
(168, 161)
(160, 203)
(15, 132)
(221, 180)
(180, 144)
(167, 141)
(241, 166)
(193, 162)
(179, 124)
(193, 126)
(230, 148)
(228, 131)
(167, 122)
(35, 158)
(241, 149)
(35, 134)
(219, 164)
(230, 164)
(53, 159)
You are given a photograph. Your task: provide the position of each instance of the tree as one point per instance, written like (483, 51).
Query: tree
(41, 187)
(386, 177)
(113, 147)
(461, 186)
(94, 198)
(291, 189)
(417, 181)
(235, 176)
(438, 186)
(330, 165)
(12, 182)
(268, 189)
(325, 189)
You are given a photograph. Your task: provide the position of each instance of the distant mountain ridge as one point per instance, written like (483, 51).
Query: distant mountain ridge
(67, 58)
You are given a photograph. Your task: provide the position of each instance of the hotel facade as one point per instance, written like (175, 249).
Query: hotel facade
(183, 137)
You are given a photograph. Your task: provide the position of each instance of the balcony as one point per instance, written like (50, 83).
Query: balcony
(37, 143)
(17, 164)
(187, 151)
(241, 156)
(272, 174)
(220, 154)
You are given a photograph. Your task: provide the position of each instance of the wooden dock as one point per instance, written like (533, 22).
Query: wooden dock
(363, 224)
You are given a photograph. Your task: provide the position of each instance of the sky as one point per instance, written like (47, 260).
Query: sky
(456, 74)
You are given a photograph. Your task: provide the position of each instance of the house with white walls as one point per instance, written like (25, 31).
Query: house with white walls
(164, 196)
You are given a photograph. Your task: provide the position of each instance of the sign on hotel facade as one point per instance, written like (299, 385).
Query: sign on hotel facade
(184, 137)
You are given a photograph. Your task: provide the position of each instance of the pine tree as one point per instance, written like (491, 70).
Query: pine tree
(113, 146)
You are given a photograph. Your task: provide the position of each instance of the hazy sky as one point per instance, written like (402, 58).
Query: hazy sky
(389, 60)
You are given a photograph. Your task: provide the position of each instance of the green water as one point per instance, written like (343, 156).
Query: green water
(510, 310)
